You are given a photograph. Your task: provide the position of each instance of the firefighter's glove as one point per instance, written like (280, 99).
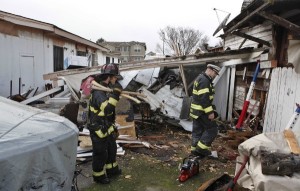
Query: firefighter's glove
(115, 133)
(216, 114)
(211, 116)
(117, 91)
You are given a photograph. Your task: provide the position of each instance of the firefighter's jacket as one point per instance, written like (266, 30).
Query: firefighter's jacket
(102, 113)
(203, 95)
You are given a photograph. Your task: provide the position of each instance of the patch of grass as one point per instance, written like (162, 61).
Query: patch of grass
(148, 174)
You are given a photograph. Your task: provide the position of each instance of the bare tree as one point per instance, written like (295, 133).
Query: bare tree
(182, 41)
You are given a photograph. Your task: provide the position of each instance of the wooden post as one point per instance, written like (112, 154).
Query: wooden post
(183, 79)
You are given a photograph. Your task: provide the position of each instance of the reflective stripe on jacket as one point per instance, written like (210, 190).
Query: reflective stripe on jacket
(102, 111)
(203, 95)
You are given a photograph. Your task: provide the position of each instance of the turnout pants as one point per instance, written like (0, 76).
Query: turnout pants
(104, 154)
(203, 133)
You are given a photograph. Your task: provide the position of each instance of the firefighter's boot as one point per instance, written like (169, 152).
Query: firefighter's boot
(103, 179)
(113, 172)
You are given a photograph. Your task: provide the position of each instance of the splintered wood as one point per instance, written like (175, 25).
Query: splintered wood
(292, 141)
(234, 138)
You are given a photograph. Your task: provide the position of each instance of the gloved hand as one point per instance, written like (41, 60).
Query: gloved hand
(211, 116)
(117, 91)
(216, 114)
(115, 133)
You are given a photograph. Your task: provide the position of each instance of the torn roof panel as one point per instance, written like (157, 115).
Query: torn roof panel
(164, 100)
(147, 76)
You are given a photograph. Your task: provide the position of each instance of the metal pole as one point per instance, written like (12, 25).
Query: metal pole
(249, 95)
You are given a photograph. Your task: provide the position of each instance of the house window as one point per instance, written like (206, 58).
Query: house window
(80, 53)
(137, 48)
(125, 48)
(107, 60)
(113, 60)
(58, 58)
(118, 49)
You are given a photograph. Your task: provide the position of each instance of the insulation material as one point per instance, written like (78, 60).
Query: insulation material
(37, 149)
(252, 177)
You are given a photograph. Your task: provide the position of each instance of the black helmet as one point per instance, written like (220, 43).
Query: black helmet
(112, 69)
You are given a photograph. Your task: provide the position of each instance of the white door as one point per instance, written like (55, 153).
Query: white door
(27, 73)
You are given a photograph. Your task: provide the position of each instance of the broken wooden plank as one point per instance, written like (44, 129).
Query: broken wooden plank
(281, 21)
(292, 141)
(262, 7)
(41, 95)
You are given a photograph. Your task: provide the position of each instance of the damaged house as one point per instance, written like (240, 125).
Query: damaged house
(269, 161)
(31, 48)
(38, 148)
(265, 33)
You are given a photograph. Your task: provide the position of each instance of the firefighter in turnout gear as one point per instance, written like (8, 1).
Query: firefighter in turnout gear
(203, 113)
(101, 125)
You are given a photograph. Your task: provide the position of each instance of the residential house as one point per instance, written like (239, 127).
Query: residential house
(265, 32)
(130, 51)
(275, 27)
(31, 48)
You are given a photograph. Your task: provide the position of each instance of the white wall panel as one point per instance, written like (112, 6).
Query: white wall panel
(284, 93)
(263, 32)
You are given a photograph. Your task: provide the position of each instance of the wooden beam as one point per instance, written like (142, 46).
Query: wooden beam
(163, 62)
(184, 80)
(46, 93)
(263, 6)
(242, 43)
(190, 60)
(280, 21)
(246, 36)
(231, 92)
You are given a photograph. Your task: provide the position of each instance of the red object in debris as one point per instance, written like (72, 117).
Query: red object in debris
(243, 114)
(86, 86)
(233, 182)
(189, 168)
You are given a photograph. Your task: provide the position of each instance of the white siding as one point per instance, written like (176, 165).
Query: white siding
(263, 32)
(39, 48)
(284, 93)
(13, 49)
(101, 58)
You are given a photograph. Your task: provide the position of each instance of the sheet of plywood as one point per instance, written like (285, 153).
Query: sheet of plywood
(130, 126)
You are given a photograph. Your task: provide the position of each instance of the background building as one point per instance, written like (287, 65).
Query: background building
(129, 51)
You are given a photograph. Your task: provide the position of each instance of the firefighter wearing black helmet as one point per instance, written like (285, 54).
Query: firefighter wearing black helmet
(101, 125)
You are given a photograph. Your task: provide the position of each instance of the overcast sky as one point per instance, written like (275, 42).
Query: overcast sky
(126, 20)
